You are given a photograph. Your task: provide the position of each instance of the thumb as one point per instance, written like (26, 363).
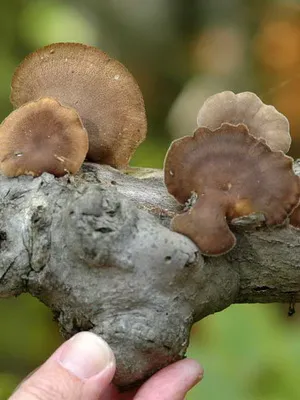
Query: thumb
(81, 369)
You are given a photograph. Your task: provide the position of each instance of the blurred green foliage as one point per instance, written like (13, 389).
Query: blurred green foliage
(28, 337)
(180, 52)
(248, 352)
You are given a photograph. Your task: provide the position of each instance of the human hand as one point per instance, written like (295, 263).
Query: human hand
(83, 367)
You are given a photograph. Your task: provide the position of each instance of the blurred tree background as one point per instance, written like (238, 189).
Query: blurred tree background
(180, 53)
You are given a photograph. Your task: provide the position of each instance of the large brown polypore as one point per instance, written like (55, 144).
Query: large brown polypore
(231, 174)
(42, 136)
(101, 89)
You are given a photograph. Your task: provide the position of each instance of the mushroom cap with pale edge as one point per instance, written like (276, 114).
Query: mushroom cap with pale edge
(101, 89)
(263, 121)
(42, 136)
(232, 174)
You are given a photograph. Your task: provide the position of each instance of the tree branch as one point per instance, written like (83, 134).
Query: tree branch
(97, 250)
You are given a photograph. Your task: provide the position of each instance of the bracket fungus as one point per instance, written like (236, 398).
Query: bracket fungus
(263, 121)
(295, 218)
(230, 174)
(42, 136)
(102, 90)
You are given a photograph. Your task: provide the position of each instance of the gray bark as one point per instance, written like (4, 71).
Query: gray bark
(97, 250)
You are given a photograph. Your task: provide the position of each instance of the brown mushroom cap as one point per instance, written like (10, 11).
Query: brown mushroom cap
(233, 174)
(42, 136)
(206, 225)
(295, 218)
(263, 121)
(101, 89)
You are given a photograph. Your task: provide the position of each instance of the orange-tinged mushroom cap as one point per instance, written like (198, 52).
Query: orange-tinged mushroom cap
(233, 174)
(101, 89)
(263, 121)
(42, 136)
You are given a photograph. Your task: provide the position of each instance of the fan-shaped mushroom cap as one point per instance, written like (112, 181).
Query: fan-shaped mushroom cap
(42, 136)
(233, 174)
(263, 121)
(101, 89)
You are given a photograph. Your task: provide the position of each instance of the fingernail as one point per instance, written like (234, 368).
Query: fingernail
(86, 355)
(196, 370)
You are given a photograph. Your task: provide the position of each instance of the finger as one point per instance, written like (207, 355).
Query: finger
(80, 369)
(172, 382)
(113, 393)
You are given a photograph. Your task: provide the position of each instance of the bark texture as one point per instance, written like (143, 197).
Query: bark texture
(97, 250)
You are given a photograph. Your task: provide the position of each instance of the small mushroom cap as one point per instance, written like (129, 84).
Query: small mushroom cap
(263, 121)
(236, 174)
(42, 136)
(101, 89)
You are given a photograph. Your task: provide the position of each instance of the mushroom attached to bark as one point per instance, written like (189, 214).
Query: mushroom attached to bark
(230, 174)
(295, 218)
(101, 89)
(42, 136)
(295, 215)
(263, 121)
